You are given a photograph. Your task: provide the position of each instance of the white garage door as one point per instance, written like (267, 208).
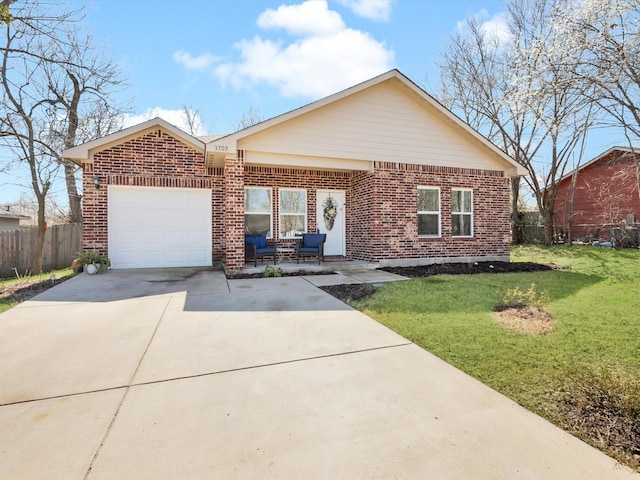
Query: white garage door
(159, 227)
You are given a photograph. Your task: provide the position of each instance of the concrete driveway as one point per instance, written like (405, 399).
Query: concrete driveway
(181, 374)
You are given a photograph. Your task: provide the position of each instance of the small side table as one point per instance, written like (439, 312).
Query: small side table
(286, 250)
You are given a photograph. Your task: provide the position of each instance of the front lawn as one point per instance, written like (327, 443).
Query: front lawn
(595, 339)
(16, 290)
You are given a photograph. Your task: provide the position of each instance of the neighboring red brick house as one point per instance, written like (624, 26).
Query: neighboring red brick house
(606, 193)
(409, 181)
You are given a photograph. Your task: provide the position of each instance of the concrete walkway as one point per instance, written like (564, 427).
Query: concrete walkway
(181, 374)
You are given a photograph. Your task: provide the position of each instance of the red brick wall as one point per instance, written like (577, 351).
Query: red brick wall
(155, 159)
(234, 212)
(361, 216)
(381, 208)
(388, 201)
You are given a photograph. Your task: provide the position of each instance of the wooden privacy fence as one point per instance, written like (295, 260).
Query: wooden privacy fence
(17, 248)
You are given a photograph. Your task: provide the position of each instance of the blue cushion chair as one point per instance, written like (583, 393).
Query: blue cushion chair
(256, 247)
(311, 245)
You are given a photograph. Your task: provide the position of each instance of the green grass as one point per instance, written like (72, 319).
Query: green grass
(595, 304)
(9, 285)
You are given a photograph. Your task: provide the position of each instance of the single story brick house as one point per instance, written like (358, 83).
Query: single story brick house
(404, 180)
(605, 194)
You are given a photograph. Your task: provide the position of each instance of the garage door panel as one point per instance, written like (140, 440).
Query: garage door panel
(180, 222)
(197, 257)
(175, 240)
(181, 201)
(155, 219)
(127, 222)
(159, 227)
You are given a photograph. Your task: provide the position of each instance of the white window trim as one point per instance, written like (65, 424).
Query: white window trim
(270, 190)
(429, 212)
(463, 213)
(280, 214)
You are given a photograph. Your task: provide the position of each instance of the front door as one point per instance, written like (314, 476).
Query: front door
(330, 217)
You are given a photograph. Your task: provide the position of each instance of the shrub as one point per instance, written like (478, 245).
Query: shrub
(602, 404)
(270, 271)
(516, 298)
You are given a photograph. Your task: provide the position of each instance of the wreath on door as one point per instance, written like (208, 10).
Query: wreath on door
(330, 212)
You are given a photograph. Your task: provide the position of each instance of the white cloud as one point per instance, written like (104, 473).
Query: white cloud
(174, 117)
(495, 25)
(379, 10)
(308, 18)
(201, 62)
(329, 57)
(314, 67)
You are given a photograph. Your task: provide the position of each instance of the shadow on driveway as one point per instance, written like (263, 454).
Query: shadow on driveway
(204, 289)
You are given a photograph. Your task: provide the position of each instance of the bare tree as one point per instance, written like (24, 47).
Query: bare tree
(80, 85)
(606, 36)
(521, 96)
(46, 72)
(193, 120)
(610, 199)
(559, 103)
(475, 82)
(26, 204)
(250, 117)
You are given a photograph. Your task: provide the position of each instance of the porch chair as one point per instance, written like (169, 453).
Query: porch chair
(311, 245)
(256, 247)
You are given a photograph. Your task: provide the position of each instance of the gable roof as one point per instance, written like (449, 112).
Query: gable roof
(216, 148)
(84, 152)
(14, 215)
(600, 157)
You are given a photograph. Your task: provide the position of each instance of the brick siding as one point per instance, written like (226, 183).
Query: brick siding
(155, 159)
(381, 206)
(385, 213)
(234, 212)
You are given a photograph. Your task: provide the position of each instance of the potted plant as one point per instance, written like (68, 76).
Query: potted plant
(93, 261)
(76, 265)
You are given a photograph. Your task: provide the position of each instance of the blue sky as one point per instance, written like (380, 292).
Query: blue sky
(224, 57)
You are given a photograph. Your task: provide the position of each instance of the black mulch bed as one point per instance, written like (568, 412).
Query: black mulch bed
(469, 268)
(350, 292)
(23, 291)
(297, 273)
(362, 291)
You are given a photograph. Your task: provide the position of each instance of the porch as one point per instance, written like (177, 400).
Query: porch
(310, 266)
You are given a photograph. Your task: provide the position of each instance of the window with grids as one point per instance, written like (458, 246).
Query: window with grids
(293, 212)
(257, 211)
(428, 211)
(462, 212)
